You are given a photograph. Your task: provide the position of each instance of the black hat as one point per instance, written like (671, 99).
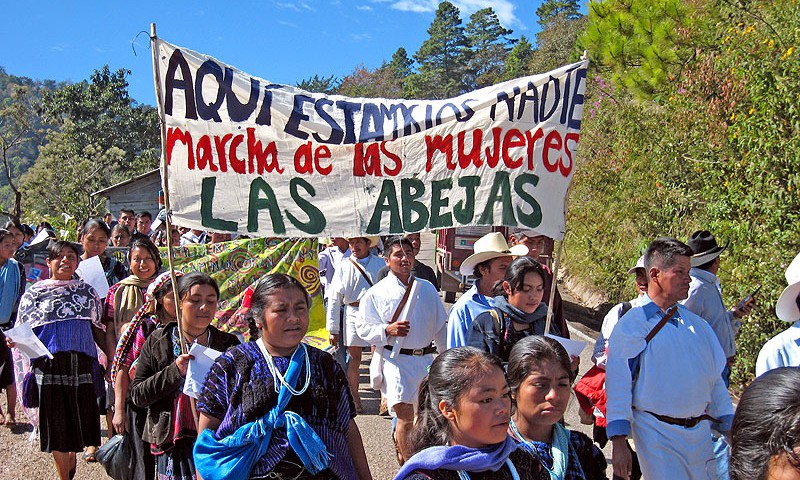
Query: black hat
(704, 246)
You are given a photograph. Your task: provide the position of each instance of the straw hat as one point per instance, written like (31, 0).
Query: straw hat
(372, 239)
(786, 309)
(489, 246)
(705, 247)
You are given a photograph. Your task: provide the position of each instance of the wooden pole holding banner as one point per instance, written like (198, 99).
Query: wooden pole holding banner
(165, 184)
(560, 249)
(167, 204)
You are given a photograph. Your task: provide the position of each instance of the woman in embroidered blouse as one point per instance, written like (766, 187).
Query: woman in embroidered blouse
(126, 297)
(277, 375)
(462, 421)
(540, 378)
(157, 311)
(65, 315)
(158, 386)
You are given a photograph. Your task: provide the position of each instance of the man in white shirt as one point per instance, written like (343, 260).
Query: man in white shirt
(668, 391)
(329, 260)
(705, 295)
(406, 334)
(783, 350)
(349, 283)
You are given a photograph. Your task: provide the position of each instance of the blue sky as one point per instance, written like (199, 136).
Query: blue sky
(283, 41)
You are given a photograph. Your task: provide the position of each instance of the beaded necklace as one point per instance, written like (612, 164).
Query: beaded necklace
(462, 475)
(273, 369)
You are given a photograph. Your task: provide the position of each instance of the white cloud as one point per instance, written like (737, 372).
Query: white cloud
(364, 8)
(418, 6)
(297, 7)
(360, 36)
(503, 8)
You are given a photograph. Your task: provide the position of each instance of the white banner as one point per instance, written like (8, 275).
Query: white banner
(256, 158)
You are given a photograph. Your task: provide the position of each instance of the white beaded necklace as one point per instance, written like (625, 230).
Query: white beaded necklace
(462, 475)
(273, 369)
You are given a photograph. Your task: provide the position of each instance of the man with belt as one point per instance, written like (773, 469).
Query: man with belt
(404, 318)
(350, 280)
(664, 377)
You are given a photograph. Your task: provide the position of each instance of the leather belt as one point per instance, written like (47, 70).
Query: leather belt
(683, 422)
(413, 351)
(354, 304)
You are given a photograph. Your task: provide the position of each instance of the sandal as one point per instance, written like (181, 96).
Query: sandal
(9, 421)
(89, 454)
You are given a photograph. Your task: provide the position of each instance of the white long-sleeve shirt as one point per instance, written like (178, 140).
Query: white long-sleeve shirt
(680, 371)
(348, 286)
(428, 320)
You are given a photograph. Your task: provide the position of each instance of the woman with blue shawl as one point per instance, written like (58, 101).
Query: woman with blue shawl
(540, 377)
(12, 285)
(461, 432)
(275, 407)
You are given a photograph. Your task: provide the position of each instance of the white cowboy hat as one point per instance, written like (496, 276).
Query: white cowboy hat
(639, 264)
(372, 239)
(786, 309)
(489, 246)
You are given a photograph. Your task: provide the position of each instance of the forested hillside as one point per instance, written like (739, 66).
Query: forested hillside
(692, 123)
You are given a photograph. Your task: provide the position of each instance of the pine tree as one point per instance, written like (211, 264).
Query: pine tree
(442, 58)
(550, 9)
(490, 46)
(518, 60)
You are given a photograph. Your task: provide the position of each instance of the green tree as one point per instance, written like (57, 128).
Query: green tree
(489, 44)
(557, 42)
(102, 113)
(17, 122)
(442, 58)
(400, 65)
(103, 137)
(65, 175)
(645, 45)
(317, 84)
(518, 61)
(550, 9)
(716, 148)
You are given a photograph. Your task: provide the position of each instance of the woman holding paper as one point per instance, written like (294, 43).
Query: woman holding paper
(291, 398)
(65, 314)
(540, 378)
(170, 426)
(94, 240)
(518, 310)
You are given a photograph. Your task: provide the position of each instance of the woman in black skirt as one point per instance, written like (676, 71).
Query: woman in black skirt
(65, 315)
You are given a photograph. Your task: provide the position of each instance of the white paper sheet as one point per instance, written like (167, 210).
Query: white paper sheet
(573, 347)
(27, 342)
(42, 236)
(91, 271)
(198, 369)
